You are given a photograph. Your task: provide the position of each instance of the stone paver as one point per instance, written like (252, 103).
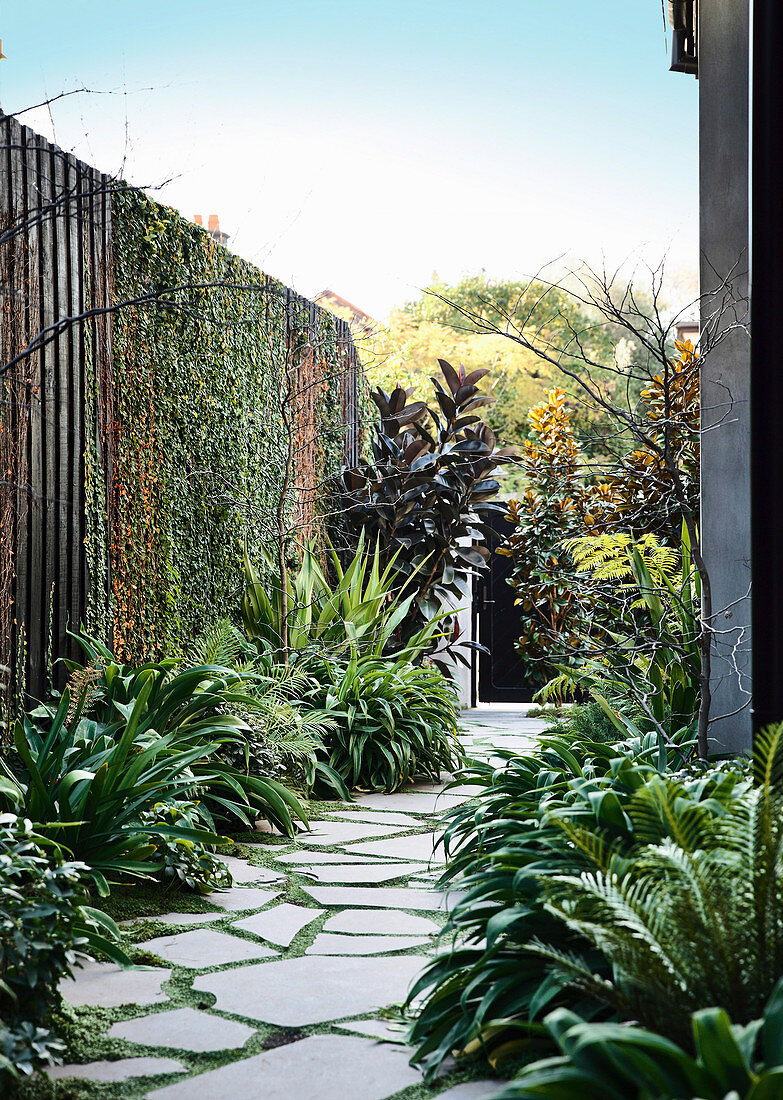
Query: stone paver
(183, 1029)
(416, 846)
(382, 1030)
(311, 989)
(106, 985)
(385, 897)
(321, 1067)
(330, 833)
(374, 816)
(243, 897)
(359, 872)
(328, 944)
(316, 856)
(180, 918)
(204, 947)
(242, 871)
(280, 925)
(121, 1070)
(383, 922)
(415, 802)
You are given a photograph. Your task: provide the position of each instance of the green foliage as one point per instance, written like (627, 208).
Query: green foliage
(692, 918)
(188, 418)
(539, 816)
(45, 927)
(618, 1062)
(422, 498)
(128, 739)
(363, 608)
(393, 721)
(643, 652)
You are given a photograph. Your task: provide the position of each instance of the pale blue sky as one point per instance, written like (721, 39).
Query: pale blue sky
(364, 146)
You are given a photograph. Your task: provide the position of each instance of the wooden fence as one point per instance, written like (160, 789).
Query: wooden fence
(56, 293)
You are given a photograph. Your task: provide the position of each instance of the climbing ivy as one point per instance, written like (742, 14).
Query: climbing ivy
(192, 450)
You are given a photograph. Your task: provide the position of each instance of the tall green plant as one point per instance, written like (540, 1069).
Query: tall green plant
(364, 607)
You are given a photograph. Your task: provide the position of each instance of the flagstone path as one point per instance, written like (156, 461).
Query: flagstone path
(278, 992)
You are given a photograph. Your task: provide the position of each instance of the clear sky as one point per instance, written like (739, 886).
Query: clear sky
(363, 146)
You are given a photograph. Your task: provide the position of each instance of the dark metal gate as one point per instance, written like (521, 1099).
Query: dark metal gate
(497, 626)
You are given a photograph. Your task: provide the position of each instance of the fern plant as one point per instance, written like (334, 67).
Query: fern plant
(283, 733)
(507, 958)
(694, 918)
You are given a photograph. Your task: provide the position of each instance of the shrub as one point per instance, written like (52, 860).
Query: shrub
(539, 817)
(45, 928)
(282, 733)
(691, 917)
(392, 721)
(585, 722)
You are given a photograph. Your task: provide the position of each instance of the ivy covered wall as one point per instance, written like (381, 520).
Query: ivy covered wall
(214, 418)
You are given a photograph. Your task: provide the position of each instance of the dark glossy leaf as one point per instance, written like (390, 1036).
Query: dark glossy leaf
(451, 376)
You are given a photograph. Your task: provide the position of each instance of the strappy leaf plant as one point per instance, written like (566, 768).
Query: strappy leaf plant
(392, 721)
(129, 739)
(363, 607)
(617, 1062)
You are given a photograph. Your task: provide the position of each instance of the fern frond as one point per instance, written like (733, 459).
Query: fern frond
(220, 644)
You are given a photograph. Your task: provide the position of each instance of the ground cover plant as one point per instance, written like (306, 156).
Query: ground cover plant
(45, 927)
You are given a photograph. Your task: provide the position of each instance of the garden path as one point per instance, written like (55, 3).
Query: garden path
(275, 990)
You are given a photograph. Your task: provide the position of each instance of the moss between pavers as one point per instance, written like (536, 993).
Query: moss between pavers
(84, 1029)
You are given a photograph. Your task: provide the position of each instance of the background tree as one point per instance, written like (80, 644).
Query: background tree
(659, 426)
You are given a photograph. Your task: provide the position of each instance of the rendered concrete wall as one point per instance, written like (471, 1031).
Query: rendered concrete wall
(724, 37)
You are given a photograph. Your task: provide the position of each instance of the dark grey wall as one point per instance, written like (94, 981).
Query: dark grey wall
(724, 36)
